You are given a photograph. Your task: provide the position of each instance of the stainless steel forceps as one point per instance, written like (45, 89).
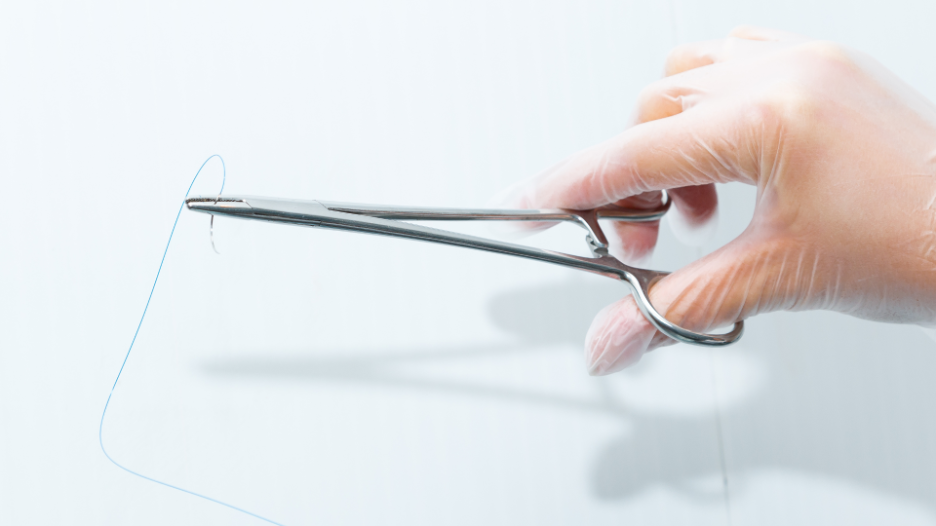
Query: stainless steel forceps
(388, 221)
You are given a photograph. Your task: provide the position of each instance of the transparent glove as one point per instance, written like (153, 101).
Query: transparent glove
(843, 155)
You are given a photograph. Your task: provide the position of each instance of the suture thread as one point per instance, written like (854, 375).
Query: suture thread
(137, 332)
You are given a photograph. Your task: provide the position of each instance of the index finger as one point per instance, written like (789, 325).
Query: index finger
(696, 147)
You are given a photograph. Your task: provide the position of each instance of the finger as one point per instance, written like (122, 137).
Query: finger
(740, 280)
(749, 32)
(693, 55)
(668, 97)
(689, 149)
(693, 222)
(632, 243)
(621, 334)
(515, 197)
(679, 93)
(617, 338)
(698, 54)
(688, 81)
(694, 217)
(696, 204)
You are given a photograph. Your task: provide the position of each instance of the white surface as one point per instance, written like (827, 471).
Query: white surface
(329, 378)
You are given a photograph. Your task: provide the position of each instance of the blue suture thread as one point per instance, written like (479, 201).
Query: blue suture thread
(140, 324)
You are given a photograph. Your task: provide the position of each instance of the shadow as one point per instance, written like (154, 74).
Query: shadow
(851, 405)
(844, 399)
(377, 369)
(553, 314)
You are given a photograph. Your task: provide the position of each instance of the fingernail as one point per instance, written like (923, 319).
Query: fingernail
(617, 338)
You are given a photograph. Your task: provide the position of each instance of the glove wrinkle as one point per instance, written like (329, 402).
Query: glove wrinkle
(843, 156)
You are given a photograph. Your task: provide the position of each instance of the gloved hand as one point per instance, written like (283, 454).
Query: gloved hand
(843, 155)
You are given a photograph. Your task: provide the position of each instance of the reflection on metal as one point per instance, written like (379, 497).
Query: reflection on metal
(389, 221)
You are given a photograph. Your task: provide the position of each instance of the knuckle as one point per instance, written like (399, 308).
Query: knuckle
(783, 100)
(826, 52)
(674, 59)
(650, 93)
(816, 66)
(652, 101)
(688, 56)
(741, 30)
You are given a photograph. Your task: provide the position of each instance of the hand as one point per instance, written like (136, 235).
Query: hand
(843, 155)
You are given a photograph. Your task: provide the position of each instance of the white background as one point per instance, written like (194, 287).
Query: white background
(328, 378)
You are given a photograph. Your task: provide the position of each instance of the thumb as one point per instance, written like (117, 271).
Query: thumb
(739, 280)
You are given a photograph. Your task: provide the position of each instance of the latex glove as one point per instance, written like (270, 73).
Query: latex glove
(843, 155)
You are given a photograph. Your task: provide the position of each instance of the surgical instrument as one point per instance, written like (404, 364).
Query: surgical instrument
(390, 221)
